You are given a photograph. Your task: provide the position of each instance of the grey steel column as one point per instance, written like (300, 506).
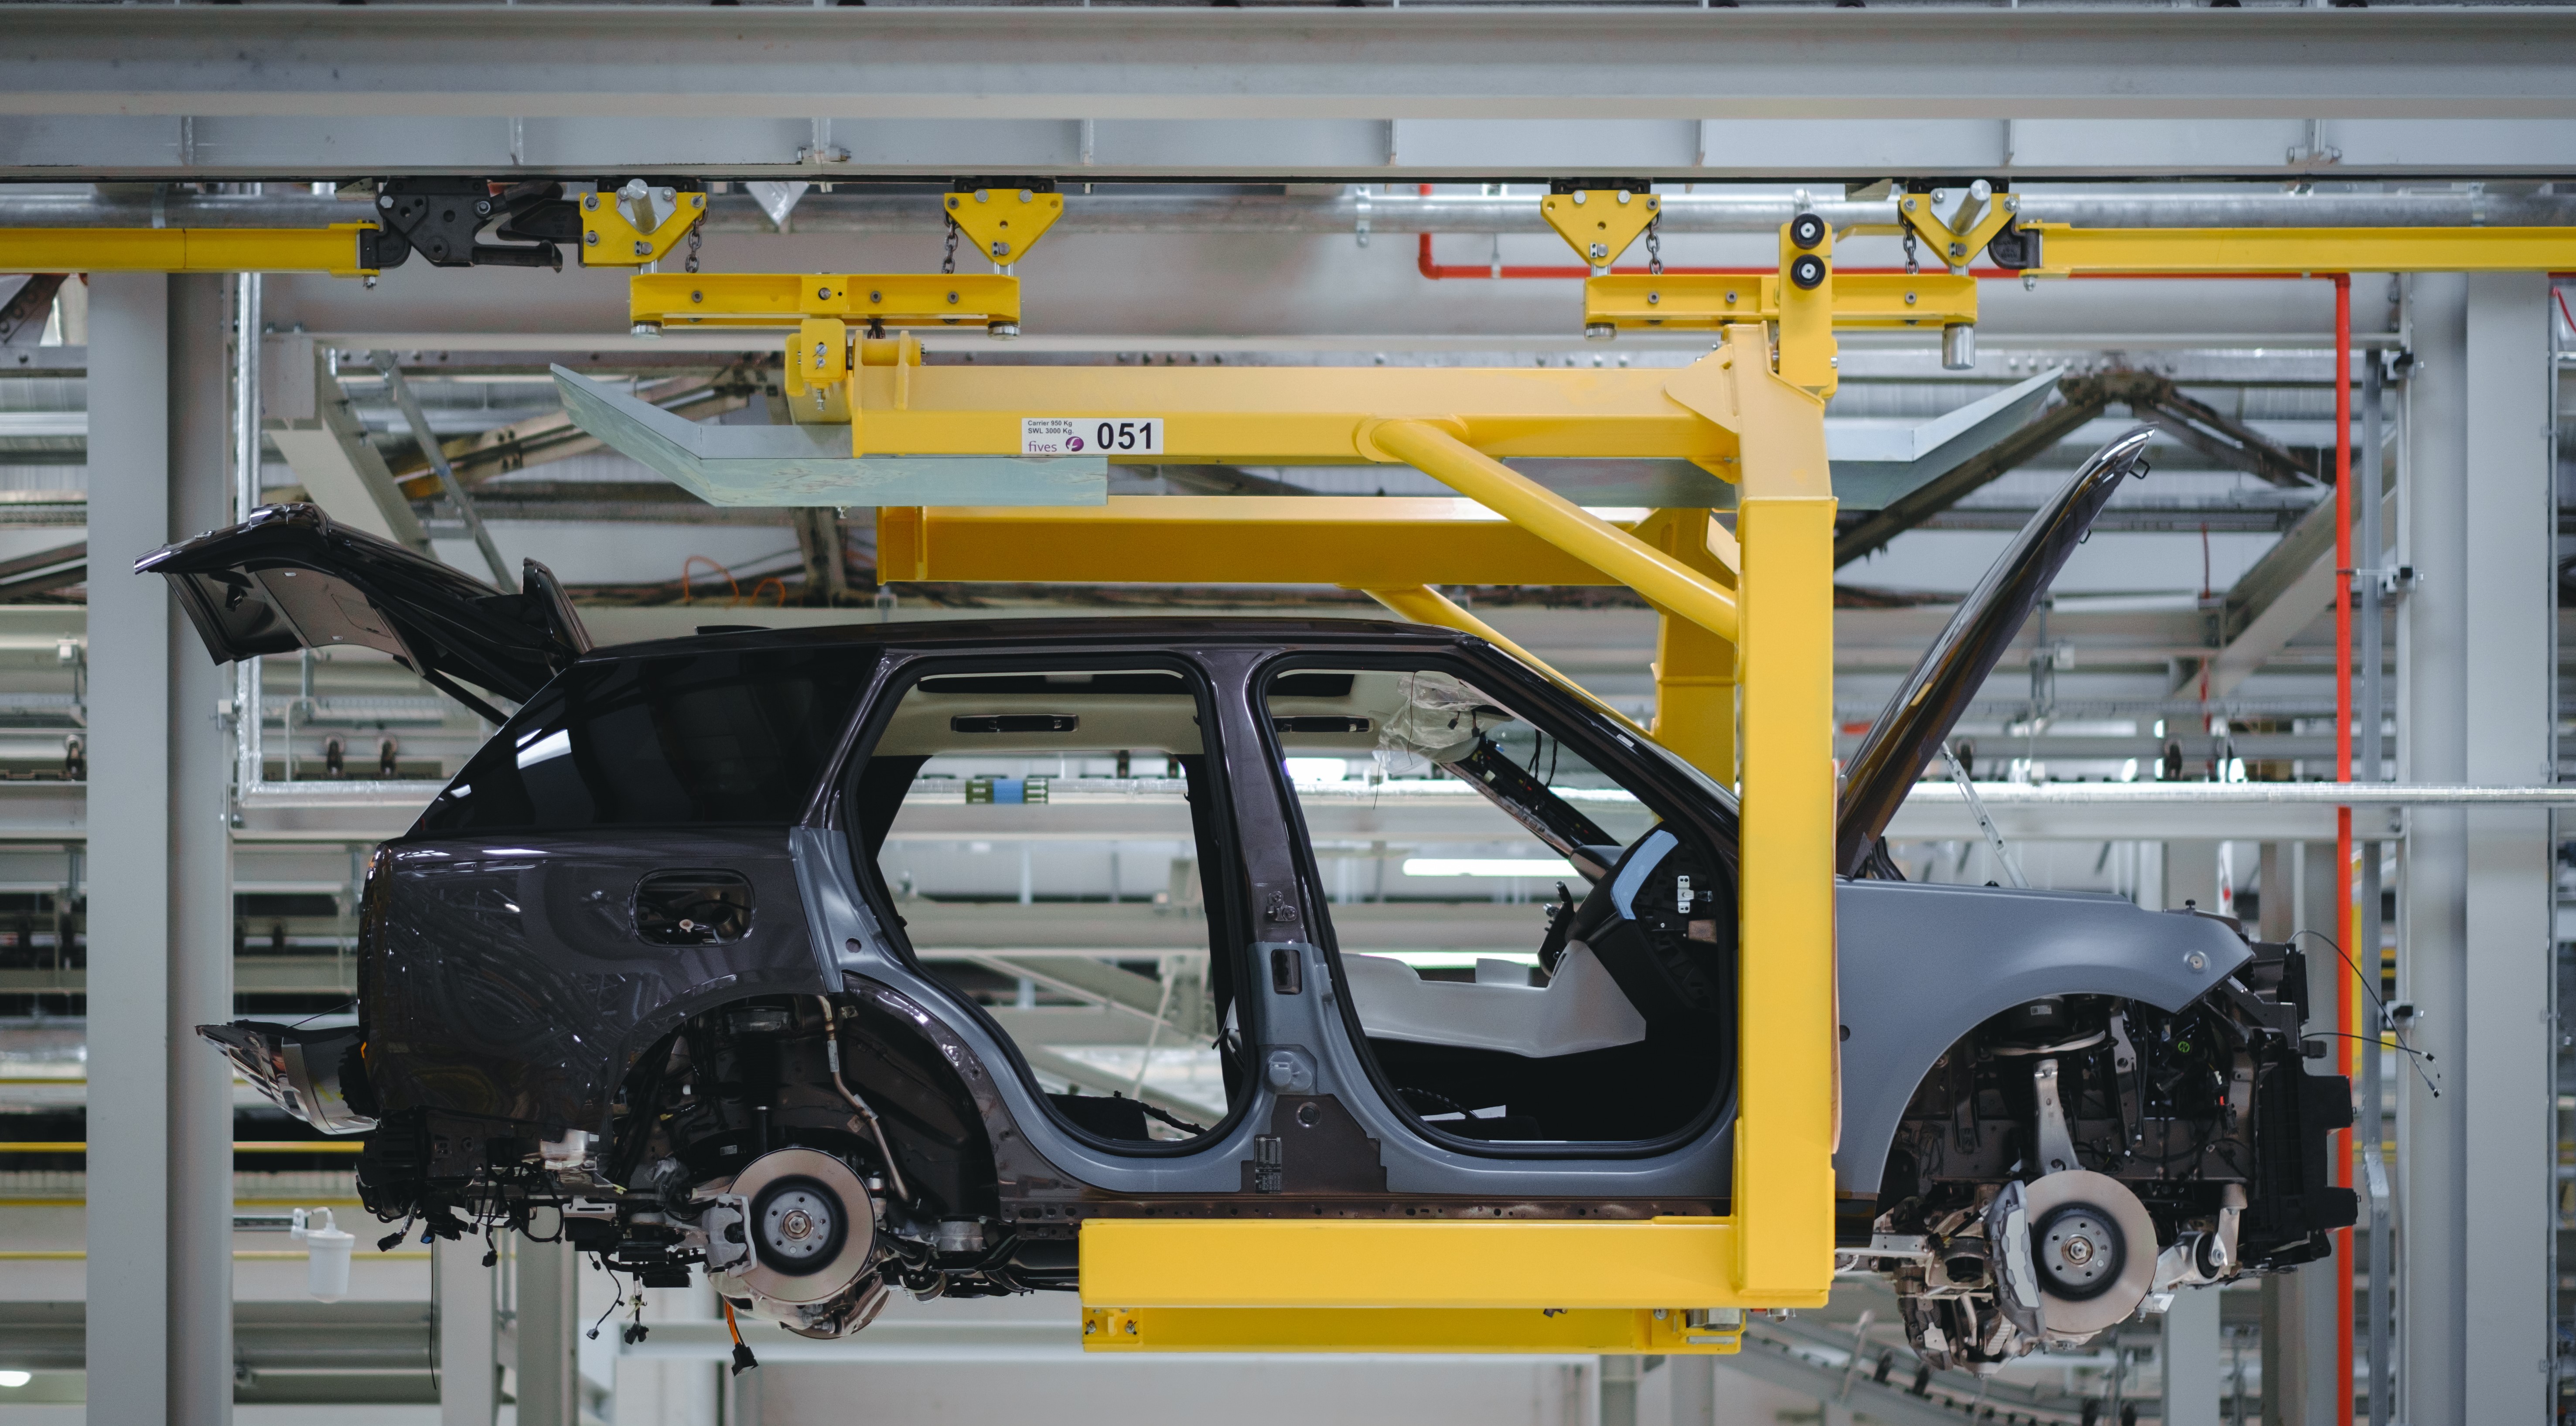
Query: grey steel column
(130, 628)
(2432, 746)
(2370, 757)
(549, 1366)
(1694, 1386)
(199, 833)
(2312, 1344)
(469, 1367)
(160, 1116)
(2503, 1072)
(2189, 1355)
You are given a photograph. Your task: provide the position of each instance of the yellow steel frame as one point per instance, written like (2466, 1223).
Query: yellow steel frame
(1732, 413)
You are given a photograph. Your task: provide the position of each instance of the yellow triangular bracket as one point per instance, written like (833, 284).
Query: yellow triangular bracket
(1600, 223)
(1004, 223)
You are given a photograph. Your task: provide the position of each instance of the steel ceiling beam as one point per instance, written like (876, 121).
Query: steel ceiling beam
(1161, 209)
(1372, 94)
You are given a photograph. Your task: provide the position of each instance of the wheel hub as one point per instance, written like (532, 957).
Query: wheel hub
(797, 1224)
(2080, 1250)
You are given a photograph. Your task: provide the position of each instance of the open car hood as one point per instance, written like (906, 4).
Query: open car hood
(290, 577)
(1920, 713)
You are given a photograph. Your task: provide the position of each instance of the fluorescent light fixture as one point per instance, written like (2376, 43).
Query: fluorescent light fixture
(1317, 769)
(553, 745)
(1487, 866)
(15, 1379)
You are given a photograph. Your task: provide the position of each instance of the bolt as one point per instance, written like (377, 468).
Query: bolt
(952, 205)
(1909, 299)
(697, 200)
(2196, 961)
(483, 206)
(876, 297)
(1654, 297)
(590, 239)
(1001, 249)
(823, 294)
(1578, 198)
(1730, 299)
(1027, 197)
(952, 299)
(591, 202)
(1623, 197)
(697, 297)
(983, 195)
(643, 249)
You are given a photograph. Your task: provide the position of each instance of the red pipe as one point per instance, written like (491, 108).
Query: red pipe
(2348, 1002)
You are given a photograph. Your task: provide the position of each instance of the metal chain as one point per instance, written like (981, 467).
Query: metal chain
(948, 263)
(1655, 246)
(696, 231)
(1912, 264)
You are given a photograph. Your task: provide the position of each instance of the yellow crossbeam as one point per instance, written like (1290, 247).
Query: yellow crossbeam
(1357, 542)
(1580, 1330)
(1130, 1263)
(333, 249)
(1274, 415)
(2070, 251)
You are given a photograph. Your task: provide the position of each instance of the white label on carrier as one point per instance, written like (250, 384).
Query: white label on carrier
(1090, 435)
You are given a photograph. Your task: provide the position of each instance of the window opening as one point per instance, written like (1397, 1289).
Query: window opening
(1045, 840)
(1534, 953)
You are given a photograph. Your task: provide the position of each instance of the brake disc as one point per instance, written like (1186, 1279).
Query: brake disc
(811, 1223)
(2092, 1247)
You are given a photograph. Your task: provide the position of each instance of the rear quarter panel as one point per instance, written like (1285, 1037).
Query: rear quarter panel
(503, 976)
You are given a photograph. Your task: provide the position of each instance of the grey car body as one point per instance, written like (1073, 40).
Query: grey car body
(527, 1010)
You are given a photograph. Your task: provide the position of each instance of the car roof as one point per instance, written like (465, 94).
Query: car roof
(1134, 631)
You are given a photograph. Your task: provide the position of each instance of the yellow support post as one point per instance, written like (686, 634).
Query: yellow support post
(1788, 1098)
(1694, 669)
